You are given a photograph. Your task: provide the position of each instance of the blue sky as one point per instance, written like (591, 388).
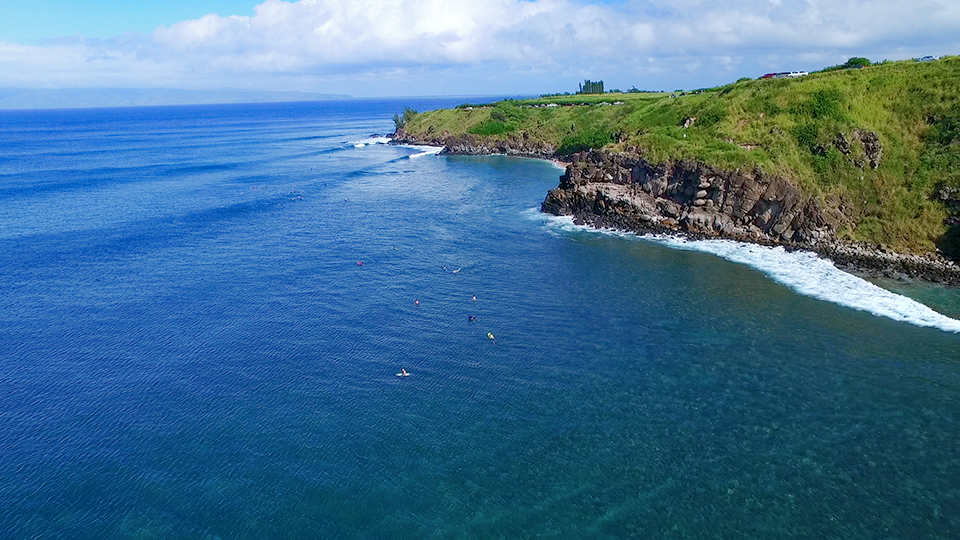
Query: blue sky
(29, 22)
(370, 48)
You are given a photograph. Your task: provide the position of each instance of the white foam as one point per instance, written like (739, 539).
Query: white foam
(424, 150)
(802, 271)
(371, 141)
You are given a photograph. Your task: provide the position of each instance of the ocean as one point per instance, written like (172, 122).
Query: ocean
(204, 309)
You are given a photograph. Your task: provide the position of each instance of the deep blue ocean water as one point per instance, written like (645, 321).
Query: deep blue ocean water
(190, 348)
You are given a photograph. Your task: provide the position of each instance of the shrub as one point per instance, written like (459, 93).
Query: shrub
(584, 141)
(490, 127)
(944, 132)
(498, 116)
(711, 116)
(856, 62)
(806, 135)
(822, 104)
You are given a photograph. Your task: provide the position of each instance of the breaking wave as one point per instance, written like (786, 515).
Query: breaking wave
(802, 271)
(370, 141)
(424, 150)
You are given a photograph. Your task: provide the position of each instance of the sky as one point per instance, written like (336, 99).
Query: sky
(396, 48)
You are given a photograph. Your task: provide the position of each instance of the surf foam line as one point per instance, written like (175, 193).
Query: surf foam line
(802, 271)
(371, 141)
(424, 150)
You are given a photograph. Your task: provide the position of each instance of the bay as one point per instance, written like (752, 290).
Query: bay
(203, 311)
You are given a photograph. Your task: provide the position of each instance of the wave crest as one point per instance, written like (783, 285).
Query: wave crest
(371, 141)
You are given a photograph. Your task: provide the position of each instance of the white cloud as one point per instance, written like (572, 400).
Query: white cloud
(382, 47)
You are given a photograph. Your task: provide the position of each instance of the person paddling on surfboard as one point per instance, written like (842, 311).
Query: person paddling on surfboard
(403, 373)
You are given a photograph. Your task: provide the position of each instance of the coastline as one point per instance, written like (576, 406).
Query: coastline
(692, 199)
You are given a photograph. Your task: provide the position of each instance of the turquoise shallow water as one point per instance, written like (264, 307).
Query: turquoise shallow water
(191, 350)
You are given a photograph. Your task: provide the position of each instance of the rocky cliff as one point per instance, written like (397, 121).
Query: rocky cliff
(626, 192)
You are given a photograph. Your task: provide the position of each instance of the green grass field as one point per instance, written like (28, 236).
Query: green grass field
(805, 129)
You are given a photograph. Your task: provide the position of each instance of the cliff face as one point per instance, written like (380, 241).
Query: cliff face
(626, 192)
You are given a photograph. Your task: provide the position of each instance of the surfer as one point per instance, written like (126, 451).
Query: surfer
(416, 302)
(472, 318)
(490, 337)
(403, 373)
(474, 298)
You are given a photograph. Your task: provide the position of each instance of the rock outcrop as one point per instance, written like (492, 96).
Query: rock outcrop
(626, 192)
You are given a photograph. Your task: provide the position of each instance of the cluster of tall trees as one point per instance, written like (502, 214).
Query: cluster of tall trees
(408, 114)
(591, 87)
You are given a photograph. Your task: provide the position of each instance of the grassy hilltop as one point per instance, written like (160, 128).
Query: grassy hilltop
(879, 142)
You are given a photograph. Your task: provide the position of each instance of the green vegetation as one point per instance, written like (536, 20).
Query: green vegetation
(856, 62)
(584, 140)
(400, 121)
(591, 87)
(815, 130)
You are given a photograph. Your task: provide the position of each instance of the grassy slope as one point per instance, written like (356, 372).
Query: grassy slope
(783, 126)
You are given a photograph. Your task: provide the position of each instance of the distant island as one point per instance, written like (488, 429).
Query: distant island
(858, 162)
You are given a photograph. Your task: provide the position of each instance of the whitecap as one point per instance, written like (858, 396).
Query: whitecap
(371, 141)
(424, 150)
(802, 271)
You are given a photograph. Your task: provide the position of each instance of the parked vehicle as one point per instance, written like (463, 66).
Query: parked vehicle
(785, 74)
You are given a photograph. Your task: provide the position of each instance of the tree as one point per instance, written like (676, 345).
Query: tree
(591, 87)
(856, 62)
(400, 121)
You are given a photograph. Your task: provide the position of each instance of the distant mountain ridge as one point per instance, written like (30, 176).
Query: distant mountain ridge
(71, 98)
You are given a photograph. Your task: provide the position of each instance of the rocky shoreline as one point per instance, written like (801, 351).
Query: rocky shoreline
(516, 144)
(625, 192)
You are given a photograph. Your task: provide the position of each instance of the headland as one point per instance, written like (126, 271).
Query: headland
(861, 166)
